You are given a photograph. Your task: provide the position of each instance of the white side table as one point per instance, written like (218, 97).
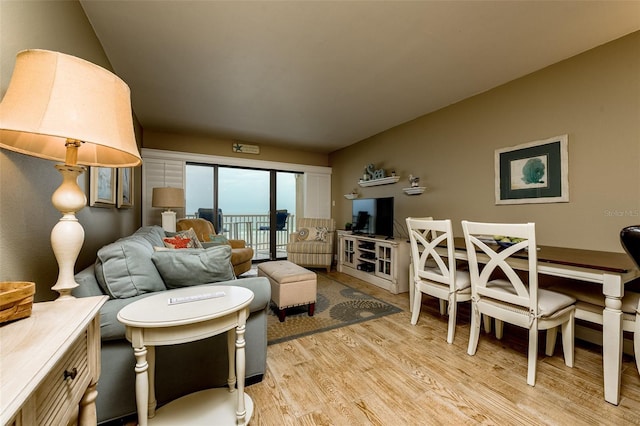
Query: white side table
(152, 321)
(50, 364)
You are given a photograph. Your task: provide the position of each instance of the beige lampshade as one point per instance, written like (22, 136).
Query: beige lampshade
(53, 97)
(167, 197)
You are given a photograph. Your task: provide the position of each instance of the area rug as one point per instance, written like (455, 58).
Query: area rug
(337, 305)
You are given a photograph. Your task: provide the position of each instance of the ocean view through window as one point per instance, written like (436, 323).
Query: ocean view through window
(240, 203)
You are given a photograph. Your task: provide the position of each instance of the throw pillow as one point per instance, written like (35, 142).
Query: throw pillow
(303, 233)
(182, 240)
(321, 233)
(217, 240)
(124, 269)
(183, 268)
(316, 233)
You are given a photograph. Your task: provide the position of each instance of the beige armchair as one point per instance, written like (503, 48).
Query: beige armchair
(312, 243)
(241, 255)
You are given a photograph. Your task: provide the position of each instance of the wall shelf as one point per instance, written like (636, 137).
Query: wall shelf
(414, 190)
(376, 182)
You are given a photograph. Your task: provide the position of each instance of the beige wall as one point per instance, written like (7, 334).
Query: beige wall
(26, 183)
(222, 147)
(593, 97)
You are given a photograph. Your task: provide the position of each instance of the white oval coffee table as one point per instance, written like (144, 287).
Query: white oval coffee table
(153, 321)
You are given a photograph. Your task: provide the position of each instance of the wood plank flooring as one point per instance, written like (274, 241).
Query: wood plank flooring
(388, 372)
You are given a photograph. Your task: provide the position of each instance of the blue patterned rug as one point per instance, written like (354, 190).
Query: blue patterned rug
(337, 305)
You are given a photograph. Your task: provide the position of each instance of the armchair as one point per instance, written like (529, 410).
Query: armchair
(312, 243)
(241, 255)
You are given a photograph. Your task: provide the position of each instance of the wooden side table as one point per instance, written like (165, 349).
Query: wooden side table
(50, 364)
(153, 321)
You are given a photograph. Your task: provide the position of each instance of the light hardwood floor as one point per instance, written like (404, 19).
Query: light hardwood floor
(388, 372)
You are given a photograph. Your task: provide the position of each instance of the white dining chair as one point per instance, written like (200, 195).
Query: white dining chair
(434, 274)
(510, 299)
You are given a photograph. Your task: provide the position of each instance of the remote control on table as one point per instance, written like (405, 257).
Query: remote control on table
(195, 297)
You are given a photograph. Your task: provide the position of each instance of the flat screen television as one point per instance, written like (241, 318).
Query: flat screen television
(373, 216)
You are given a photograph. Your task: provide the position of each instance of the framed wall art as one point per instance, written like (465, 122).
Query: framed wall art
(125, 188)
(102, 192)
(534, 172)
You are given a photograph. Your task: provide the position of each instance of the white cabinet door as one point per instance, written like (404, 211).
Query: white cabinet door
(157, 173)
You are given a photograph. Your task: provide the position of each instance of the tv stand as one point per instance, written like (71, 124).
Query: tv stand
(375, 259)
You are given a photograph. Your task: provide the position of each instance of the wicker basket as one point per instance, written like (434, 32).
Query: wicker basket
(16, 300)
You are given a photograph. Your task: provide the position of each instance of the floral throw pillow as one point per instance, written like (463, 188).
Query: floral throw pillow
(178, 242)
(321, 233)
(182, 240)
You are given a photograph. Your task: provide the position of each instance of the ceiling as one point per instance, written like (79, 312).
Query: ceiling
(322, 75)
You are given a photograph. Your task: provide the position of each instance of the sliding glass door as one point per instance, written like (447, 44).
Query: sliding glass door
(243, 199)
(254, 205)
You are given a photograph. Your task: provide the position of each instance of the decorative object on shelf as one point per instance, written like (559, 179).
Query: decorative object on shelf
(414, 181)
(414, 190)
(348, 226)
(168, 198)
(62, 108)
(373, 177)
(371, 173)
(534, 172)
(352, 195)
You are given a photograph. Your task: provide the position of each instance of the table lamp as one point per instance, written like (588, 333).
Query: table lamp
(168, 198)
(62, 108)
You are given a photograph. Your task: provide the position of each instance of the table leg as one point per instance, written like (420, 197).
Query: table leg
(613, 290)
(142, 384)
(231, 339)
(151, 375)
(241, 411)
(87, 415)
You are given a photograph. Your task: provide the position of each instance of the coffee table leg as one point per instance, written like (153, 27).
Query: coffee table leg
(142, 384)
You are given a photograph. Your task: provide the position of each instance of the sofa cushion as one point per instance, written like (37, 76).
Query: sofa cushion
(124, 268)
(154, 234)
(187, 267)
(110, 327)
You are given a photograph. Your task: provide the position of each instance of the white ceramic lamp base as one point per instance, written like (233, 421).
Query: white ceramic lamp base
(169, 221)
(67, 235)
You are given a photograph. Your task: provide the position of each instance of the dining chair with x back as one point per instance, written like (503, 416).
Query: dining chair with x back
(434, 274)
(510, 299)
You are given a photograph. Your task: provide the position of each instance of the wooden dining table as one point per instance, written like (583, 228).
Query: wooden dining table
(611, 270)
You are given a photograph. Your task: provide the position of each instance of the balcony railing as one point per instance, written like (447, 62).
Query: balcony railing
(247, 227)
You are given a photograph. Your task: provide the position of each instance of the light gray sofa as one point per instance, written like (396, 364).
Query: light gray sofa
(130, 269)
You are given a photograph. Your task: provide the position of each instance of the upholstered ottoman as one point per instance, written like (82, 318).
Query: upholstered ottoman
(291, 285)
